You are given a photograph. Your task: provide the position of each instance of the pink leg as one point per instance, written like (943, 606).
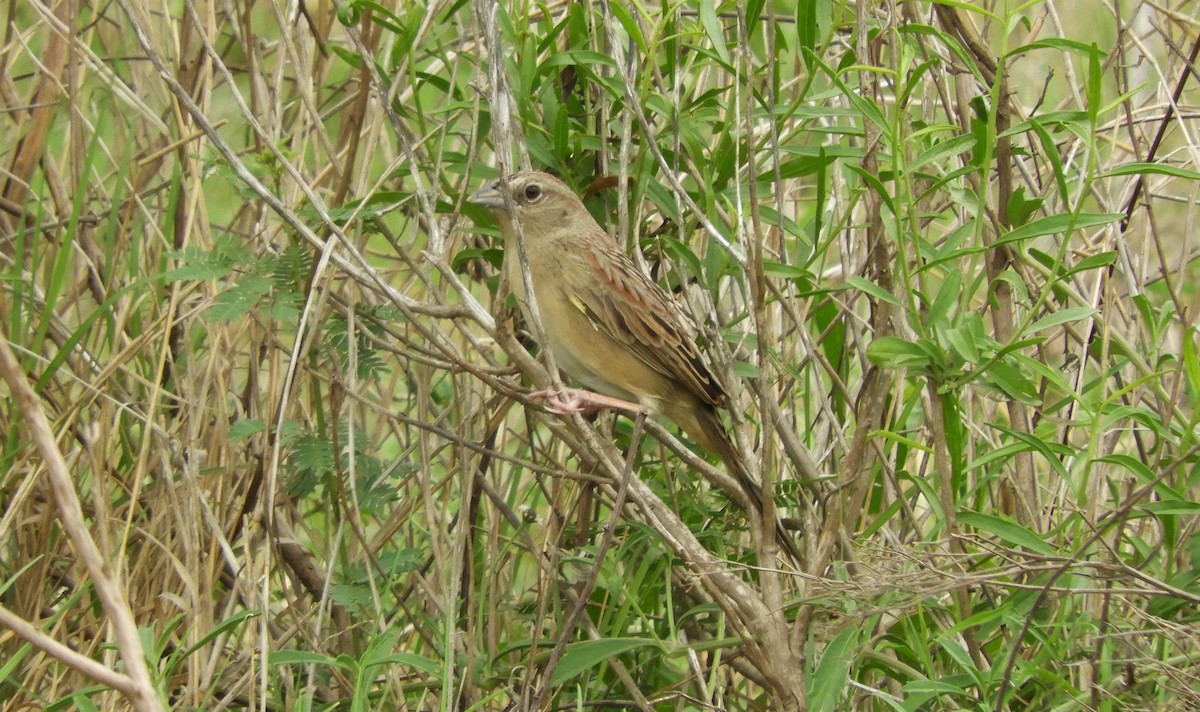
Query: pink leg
(576, 400)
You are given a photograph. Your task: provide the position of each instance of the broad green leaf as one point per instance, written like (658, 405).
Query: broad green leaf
(1012, 381)
(963, 344)
(828, 681)
(1020, 208)
(895, 352)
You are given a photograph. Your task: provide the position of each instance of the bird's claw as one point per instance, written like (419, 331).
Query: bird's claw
(565, 402)
(570, 401)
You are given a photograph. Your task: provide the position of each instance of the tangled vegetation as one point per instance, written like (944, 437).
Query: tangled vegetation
(269, 443)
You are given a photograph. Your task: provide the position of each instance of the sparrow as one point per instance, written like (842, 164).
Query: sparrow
(609, 326)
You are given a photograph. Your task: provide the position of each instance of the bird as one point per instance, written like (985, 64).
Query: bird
(609, 326)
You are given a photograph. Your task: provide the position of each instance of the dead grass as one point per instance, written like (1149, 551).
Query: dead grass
(283, 387)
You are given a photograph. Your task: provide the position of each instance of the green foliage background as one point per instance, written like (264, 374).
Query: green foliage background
(941, 251)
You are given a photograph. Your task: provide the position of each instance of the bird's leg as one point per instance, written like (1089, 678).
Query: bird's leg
(576, 400)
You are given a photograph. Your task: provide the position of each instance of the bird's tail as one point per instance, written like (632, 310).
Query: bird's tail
(706, 427)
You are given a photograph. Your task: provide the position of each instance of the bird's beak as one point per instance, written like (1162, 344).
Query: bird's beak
(489, 196)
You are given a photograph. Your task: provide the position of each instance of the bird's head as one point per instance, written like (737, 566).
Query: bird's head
(540, 203)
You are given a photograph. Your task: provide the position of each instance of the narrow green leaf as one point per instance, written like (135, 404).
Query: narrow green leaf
(1134, 465)
(1173, 507)
(806, 27)
(587, 654)
(1095, 85)
(1062, 316)
(1007, 530)
(714, 29)
(941, 150)
(579, 57)
(869, 287)
(1054, 43)
(1059, 224)
(875, 184)
(299, 657)
(947, 297)
(425, 665)
(1191, 365)
(621, 12)
(1129, 169)
(219, 629)
(1097, 261)
(779, 270)
(6, 670)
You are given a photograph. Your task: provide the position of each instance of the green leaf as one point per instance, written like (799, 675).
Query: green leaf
(780, 270)
(1006, 530)
(806, 27)
(6, 670)
(1128, 169)
(941, 150)
(1096, 261)
(947, 297)
(1054, 43)
(714, 29)
(347, 56)
(1051, 374)
(579, 57)
(895, 352)
(875, 184)
(869, 287)
(587, 654)
(1020, 208)
(299, 657)
(1013, 382)
(425, 665)
(246, 427)
(1062, 316)
(1059, 224)
(238, 301)
(828, 681)
(745, 369)
(621, 12)
(963, 343)
(1095, 84)
(1134, 465)
(1175, 507)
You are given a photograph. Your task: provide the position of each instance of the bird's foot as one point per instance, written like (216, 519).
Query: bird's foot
(575, 400)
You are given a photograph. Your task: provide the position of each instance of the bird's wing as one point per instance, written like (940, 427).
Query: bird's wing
(624, 304)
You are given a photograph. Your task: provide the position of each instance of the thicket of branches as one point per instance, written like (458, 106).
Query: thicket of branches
(268, 442)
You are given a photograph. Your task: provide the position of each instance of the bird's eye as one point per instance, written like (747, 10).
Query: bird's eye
(533, 192)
